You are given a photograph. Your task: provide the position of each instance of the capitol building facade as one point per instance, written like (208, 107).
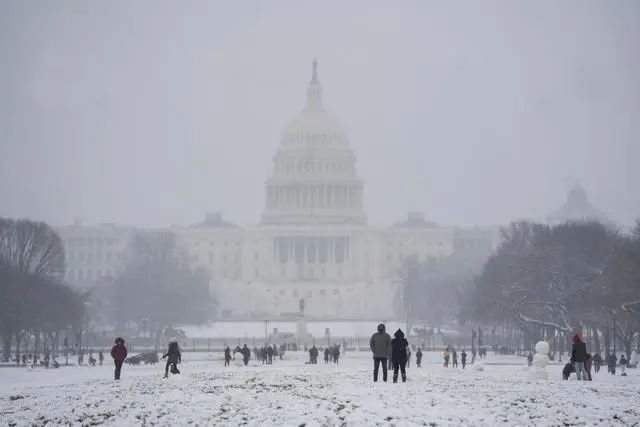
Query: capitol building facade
(313, 241)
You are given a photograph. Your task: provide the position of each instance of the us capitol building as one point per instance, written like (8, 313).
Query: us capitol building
(312, 242)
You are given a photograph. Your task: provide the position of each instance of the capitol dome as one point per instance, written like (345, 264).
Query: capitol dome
(314, 175)
(314, 126)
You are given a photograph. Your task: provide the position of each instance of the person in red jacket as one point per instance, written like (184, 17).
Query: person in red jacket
(119, 353)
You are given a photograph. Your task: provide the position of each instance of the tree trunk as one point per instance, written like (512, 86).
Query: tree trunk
(607, 340)
(7, 334)
(18, 336)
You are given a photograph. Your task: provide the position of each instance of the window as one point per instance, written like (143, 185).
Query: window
(336, 292)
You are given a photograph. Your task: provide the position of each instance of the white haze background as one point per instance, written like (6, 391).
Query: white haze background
(150, 113)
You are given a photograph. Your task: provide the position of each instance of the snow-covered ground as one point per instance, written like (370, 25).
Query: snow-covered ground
(292, 393)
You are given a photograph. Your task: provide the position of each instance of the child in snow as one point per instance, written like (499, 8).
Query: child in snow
(623, 365)
(419, 357)
(174, 357)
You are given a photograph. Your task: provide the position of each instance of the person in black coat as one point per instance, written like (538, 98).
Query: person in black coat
(399, 355)
(579, 357)
(173, 358)
(227, 356)
(419, 357)
(246, 354)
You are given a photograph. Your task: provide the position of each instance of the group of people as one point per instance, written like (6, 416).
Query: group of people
(332, 354)
(582, 361)
(451, 354)
(384, 349)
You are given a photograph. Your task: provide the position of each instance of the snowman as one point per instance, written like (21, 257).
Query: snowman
(540, 360)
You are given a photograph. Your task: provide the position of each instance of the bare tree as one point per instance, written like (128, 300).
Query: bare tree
(33, 298)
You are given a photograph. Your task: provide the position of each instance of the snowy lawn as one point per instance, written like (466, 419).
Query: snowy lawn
(292, 393)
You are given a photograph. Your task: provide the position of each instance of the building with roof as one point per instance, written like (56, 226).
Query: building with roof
(577, 207)
(313, 241)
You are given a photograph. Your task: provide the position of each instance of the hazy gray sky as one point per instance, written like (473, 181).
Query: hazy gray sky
(151, 113)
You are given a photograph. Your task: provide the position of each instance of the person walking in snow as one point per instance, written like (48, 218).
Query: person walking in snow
(623, 365)
(419, 357)
(100, 357)
(446, 355)
(173, 357)
(529, 359)
(408, 356)
(118, 353)
(587, 364)
(597, 362)
(399, 347)
(246, 354)
(611, 363)
(269, 355)
(313, 355)
(227, 356)
(336, 353)
(326, 355)
(463, 358)
(579, 357)
(455, 358)
(380, 345)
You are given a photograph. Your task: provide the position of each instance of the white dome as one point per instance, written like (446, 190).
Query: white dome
(313, 128)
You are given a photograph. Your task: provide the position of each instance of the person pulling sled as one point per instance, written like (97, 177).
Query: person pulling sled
(173, 358)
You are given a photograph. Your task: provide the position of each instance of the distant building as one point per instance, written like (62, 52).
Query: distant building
(577, 208)
(313, 242)
(94, 254)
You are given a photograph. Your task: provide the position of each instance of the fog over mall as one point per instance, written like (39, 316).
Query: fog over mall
(333, 213)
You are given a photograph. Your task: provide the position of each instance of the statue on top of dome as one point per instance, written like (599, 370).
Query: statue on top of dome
(314, 76)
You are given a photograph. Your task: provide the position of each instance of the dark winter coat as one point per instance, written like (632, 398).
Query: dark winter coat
(579, 350)
(246, 353)
(399, 347)
(380, 344)
(227, 354)
(419, 355)
(119, 352)
(173, 353)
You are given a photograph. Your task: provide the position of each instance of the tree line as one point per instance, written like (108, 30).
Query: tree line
(550, 281)
(34, 300)
(155, 290)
